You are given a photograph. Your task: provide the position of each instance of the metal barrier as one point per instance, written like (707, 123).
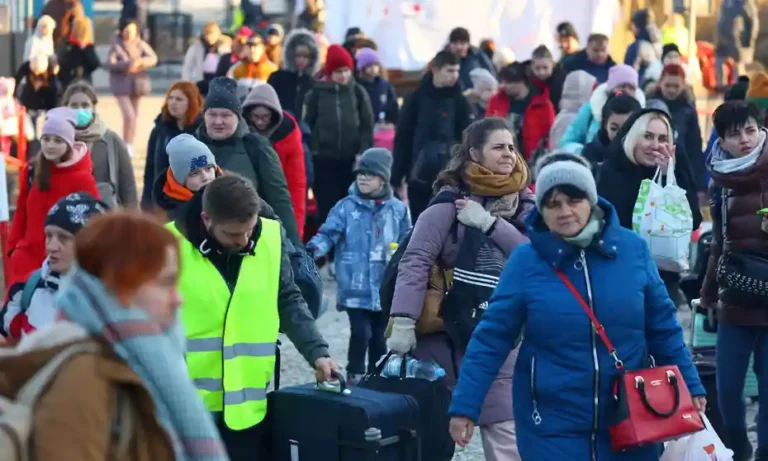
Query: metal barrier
(169, 36)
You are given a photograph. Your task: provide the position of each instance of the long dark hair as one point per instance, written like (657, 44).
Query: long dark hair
(474, 136)
(42, 176)
(43, 167)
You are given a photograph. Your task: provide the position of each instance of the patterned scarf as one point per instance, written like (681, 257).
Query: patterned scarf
(155, 355)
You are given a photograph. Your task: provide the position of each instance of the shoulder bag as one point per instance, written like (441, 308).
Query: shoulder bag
(742, 276)
(650, 405)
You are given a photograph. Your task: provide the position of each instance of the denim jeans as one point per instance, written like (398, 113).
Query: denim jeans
(367, 328)
(735, 344)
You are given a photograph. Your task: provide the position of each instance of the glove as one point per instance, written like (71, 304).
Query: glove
(403, 337)
(474, 215)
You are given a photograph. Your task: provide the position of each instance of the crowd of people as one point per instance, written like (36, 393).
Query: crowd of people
(494, 179)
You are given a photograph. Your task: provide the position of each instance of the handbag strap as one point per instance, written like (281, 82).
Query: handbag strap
(599, 329)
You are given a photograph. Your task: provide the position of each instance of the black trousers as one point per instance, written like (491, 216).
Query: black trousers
(418, 199)
(332, 180)
(252, 444)
(367, 334)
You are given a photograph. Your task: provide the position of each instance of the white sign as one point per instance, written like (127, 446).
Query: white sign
(409, 33)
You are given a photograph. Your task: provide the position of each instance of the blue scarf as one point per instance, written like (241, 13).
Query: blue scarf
(155, 355)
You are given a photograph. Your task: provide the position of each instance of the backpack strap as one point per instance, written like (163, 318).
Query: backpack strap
(123, 423)
(448, 196)
(29, 289)
(112, 163)
(33, 388)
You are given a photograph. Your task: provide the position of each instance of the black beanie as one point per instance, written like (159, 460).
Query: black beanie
(222, 94)
(669, 48)
(72, 212)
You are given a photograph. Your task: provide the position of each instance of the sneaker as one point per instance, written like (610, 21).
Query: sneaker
(353, 379)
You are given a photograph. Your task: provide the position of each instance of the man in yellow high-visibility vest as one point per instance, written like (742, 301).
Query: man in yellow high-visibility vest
(238, 289)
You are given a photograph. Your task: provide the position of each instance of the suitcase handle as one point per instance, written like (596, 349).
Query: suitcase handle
(342, 382)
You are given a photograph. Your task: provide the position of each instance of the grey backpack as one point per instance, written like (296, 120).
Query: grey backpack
(17, 414)
(108, 190)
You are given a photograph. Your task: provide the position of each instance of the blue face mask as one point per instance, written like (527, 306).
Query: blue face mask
(84, 117)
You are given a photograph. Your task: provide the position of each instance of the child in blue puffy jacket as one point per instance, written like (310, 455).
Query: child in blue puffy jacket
(362, 226)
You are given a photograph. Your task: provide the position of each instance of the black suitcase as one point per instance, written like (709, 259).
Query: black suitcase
(308, 424)
(433, 397)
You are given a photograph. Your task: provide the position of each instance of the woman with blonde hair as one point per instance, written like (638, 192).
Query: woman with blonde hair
(203, 55)
(78, 56)
(646, 141)
(112, 165)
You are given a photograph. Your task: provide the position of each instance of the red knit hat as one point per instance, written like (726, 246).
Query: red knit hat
(337, 58)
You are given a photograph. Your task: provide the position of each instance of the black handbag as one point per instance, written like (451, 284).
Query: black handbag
(742, 276)
(433, 397)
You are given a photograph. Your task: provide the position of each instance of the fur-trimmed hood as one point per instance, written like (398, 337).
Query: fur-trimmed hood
(298, 37)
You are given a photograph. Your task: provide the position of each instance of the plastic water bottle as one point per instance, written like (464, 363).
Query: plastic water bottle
(413, 369)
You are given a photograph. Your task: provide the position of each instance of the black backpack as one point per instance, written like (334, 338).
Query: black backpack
(306, 277)
(387, 288)
(475, 275)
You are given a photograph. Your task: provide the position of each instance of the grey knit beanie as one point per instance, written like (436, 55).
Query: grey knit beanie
(559, 169)
(186, 154)
(376, 160)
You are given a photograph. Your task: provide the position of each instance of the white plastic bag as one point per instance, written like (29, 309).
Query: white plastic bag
(663, 218)
(701, 446)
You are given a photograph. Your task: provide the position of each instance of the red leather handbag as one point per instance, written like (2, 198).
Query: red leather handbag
(650, 405)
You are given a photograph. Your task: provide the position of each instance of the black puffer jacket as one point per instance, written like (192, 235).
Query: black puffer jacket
(429, 115)
(597, 151)
(291, 85)
(341, 119)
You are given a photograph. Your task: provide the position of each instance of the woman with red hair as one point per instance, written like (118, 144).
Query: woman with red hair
(179, 114)
(118, 320)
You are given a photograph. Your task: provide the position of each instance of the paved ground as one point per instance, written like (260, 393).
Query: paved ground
(333, 325)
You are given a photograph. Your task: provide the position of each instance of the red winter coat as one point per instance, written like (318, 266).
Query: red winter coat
(27, 239)
(537, 119)
(286, 140)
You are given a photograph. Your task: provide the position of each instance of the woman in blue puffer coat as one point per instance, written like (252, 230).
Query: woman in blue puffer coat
(564, 374)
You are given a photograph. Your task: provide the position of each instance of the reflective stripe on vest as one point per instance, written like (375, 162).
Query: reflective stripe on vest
(231, 337)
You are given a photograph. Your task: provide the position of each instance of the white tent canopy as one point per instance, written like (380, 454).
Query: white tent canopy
(409, 33)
